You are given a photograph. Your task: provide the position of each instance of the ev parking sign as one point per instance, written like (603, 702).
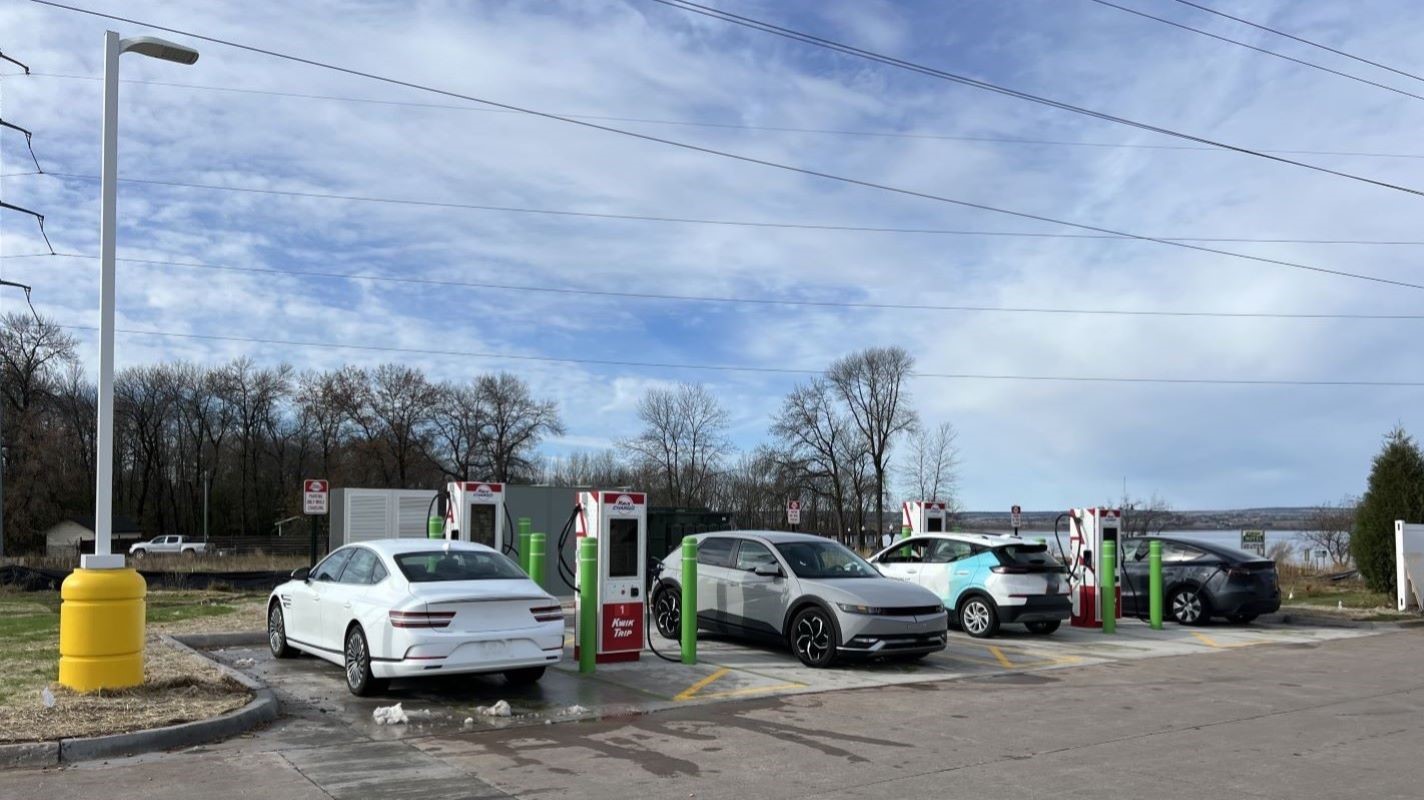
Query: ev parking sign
(793, 512)
(314, 493)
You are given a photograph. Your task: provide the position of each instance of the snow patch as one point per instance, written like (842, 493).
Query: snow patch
(574, 710)
(390, 715)
(244, 663)
(500, 709)
(47, 697)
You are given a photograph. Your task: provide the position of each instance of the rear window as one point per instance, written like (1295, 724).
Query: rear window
(1026, 555)
(438, 565)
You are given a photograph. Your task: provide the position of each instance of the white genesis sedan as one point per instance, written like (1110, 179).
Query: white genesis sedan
(403, 608)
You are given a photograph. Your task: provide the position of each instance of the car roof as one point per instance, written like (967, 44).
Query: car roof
(394, 547)
(986, 539)
(774, 537)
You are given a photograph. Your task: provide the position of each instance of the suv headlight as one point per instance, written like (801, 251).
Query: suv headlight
(852, 608)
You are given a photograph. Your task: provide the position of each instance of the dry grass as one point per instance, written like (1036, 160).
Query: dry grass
(178, 687)
(245, 562)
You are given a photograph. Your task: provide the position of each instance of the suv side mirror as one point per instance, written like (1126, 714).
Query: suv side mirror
(301, 573)
(767, 571)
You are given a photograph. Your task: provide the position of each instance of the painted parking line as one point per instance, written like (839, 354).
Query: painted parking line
(998, 653)
(747, 691)
(1210, 642)
(702, 684)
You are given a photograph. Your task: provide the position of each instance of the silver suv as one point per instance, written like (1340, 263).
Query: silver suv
(809, 593)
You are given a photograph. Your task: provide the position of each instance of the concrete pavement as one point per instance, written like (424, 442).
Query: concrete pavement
(1314, 719)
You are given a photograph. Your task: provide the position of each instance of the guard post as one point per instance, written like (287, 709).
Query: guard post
(1154, 584)
(1108, 577)
(537, 543)
(588, 604)
(688, 608)
(522, 542)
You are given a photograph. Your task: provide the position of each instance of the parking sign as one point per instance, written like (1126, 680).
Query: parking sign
(793, 512)
(314, 493)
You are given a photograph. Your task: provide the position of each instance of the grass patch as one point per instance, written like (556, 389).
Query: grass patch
(177, 686)
(1350, 595)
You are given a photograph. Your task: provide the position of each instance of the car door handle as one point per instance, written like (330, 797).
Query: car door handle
(346, 606)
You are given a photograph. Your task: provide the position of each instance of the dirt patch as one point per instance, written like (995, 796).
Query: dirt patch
(178, 687)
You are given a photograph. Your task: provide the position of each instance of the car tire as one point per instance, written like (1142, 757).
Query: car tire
(1188, 606)
(528, 676)
(139, 555)
(277, 633)
(1242, 619)
(978, 617)
(667, 616)
(813, 637)
(190, 553)
(358, 665)
(1043, 628)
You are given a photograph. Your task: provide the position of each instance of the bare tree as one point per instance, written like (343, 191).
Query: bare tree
(872, 385)
(1328, 528)
(394, 408)
(683, 441)
(1145, 517)
(930, 472)
(457, 433)
(815, 432)
(324, 404)
(516, 423)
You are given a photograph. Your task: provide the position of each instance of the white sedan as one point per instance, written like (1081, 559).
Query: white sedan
(401, 608)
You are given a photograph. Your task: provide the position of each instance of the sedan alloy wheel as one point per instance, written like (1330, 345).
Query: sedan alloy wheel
(277, 633)
(978, 618)
(667, 614)
(813, 638)
(1188, 606)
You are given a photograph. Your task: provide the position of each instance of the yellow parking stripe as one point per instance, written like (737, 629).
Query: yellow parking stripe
(1003, 659)
(702, 684)
(1210, 642)
(750, 690)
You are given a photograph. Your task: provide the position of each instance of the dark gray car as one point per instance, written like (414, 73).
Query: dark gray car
(812, 594)
(1200, 581)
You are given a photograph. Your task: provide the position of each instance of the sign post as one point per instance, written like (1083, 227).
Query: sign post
(793, 513)
(1254, 542)
(314, 494)
(1015, 517)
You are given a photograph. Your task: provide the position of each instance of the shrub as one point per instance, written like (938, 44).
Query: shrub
(1396, 491)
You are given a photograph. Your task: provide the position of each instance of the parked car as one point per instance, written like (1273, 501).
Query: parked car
(984, 581)
(168, 545)
(399, 608)
(811, 594)
(1200, 581)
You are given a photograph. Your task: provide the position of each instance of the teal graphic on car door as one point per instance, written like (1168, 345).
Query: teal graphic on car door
(948, 570)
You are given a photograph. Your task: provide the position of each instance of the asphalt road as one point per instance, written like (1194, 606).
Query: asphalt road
(1330, 719)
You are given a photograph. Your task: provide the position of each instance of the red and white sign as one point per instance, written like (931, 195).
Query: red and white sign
(622, 627)
(314, 494)
(793, 512)
(1015, 515)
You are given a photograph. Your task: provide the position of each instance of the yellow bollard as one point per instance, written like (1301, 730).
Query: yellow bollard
(101, 629)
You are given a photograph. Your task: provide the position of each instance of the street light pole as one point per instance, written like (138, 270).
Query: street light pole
(103, 557)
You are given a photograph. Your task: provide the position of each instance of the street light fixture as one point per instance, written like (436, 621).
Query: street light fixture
(163, 50)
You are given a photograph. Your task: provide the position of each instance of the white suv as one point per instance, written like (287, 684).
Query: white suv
(984, 580)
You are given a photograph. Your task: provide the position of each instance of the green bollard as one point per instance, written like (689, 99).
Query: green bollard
(587, 604)
(689, 601)
(1154, 584)
(537, 543)
(904, 531)
(435, 528)
(522, 543)
(1107, 565)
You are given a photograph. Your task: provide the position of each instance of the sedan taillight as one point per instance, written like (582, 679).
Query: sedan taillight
(547, 613)
(421, 619)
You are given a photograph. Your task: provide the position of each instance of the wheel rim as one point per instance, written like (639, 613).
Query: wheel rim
(813, 637)
(355, 660)
(976, 617)
(666, 615)
(275, 633)
(1186, 607)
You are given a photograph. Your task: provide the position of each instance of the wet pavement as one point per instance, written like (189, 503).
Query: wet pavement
(727, 670)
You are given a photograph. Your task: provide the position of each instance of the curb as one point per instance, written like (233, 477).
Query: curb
(262, 708)
(1332, 621)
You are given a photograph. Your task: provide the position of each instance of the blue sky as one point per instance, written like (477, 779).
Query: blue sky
(1043, 445)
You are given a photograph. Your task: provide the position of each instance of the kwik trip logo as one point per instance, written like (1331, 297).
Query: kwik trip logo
(622, 627)
(483, 491)
(624, 506)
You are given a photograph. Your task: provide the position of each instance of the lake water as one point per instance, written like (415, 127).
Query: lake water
(1230, 538)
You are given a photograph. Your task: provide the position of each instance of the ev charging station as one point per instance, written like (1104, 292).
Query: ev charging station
(1088, 529)
(924, 516)
(475, 513)
(618, 522)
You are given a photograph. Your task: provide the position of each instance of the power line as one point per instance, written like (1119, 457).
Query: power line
(751, 369)
(1300, 39)
(806, 38)
(743, 158)
(735, 126)
(1024, 215)
(1263, 50)
(732, 300)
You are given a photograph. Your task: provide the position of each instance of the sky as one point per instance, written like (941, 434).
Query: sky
(666, 73)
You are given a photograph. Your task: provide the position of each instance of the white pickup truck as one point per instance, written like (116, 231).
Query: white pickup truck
(167, 545)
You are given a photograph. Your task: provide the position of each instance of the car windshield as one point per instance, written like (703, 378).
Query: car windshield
(1027, 555)
(460, 565)
(824, 560)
